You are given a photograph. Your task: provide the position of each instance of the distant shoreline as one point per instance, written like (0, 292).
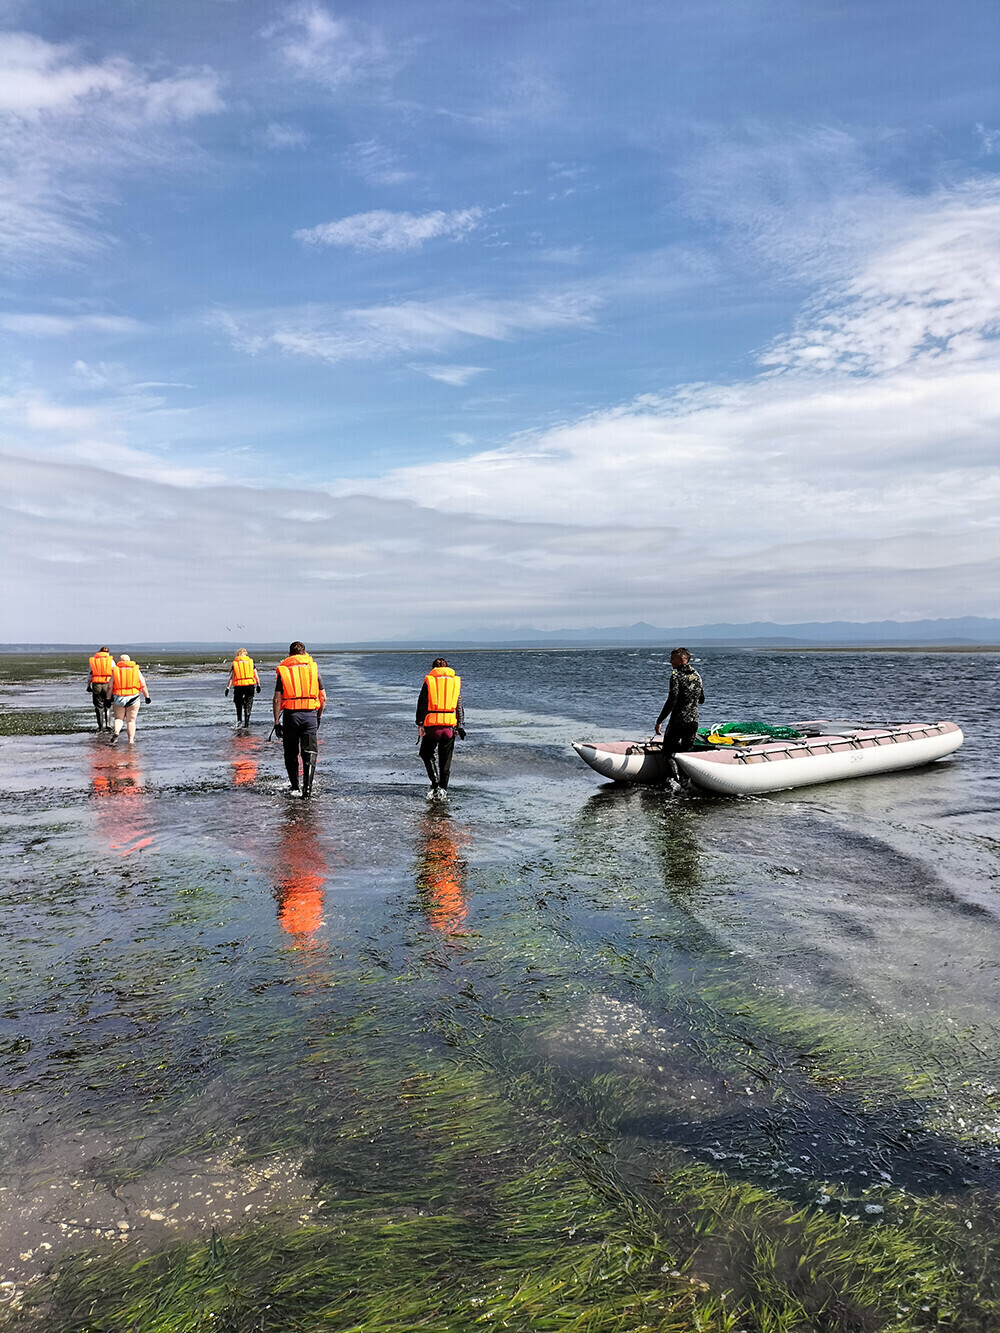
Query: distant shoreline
(886, 648)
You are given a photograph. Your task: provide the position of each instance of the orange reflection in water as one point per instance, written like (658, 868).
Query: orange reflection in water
(244, 761)
(441, 873)
(122, 813)
(300, 873)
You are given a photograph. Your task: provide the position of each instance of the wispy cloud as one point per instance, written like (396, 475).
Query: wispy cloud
(69, 127)
(458, 376)
(332, 51)
(282, 137)
(381, 230)
(60, 326)
(376, 164)
(376, 332)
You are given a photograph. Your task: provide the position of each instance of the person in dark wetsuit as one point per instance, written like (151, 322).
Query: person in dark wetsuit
(685, 695)
(299, 700)
(440, 713)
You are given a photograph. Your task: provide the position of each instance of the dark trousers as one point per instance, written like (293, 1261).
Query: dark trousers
(679, 736)
(299, 735)
(101, 699)
(243, 699)
(436, 750)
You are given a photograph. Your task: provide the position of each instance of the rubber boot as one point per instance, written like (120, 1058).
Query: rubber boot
(292, 769)
(445, 752)
(430, 763)
(247, 705)
(308, 773)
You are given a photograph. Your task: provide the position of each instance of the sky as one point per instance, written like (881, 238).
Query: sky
(364, 321)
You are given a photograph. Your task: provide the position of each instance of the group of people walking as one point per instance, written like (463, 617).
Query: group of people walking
(298, 703)
(300, 698)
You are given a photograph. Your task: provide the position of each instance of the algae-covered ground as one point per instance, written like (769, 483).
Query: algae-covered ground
(552, 1056)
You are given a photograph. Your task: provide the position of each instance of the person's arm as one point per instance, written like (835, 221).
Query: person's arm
(256, 679)
(422, 707)
(460, 718)
(322, 705)
(145, 687)
(668, 706)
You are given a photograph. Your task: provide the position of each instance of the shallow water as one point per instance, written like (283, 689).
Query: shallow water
(225, 1009)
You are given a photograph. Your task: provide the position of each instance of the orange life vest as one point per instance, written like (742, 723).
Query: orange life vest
(243, 673)
(102, 667)
(443, 688)
(299, 682)
(126, 677)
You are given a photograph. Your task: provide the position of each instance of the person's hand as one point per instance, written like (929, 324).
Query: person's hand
(227, 691)
(656, 729)
(461, 733)
(90, 689)
(258, 689)
(319, 719)
(278, 730)
(148, 699)
(420, 732)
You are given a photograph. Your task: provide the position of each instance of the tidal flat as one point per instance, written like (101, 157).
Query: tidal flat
(553, 1056)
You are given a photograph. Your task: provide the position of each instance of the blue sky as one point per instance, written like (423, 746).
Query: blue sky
(418, 316)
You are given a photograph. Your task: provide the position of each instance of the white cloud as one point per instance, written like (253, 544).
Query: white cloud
(60, 326)
(376, 164)
(876, 423)
(332, 51)
(376, 332)
(381, 230)
(281, 137)
(458, 376)
(69, 128)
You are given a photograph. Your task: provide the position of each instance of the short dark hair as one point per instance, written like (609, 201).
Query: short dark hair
(295, 648)
(685, 651)
(438, 661)
(104, 648)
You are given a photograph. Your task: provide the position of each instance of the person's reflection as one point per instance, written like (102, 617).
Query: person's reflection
(299, 874)
(244, 760)
(441, 873)
(122, 813)
(674, 835)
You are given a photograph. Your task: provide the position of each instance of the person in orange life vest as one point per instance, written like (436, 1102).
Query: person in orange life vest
(102, 666)
(243, 680)
(299, 700)
(127, 684)
(440, 714)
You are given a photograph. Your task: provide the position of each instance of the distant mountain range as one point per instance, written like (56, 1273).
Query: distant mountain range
(967, 630)
(964, 631)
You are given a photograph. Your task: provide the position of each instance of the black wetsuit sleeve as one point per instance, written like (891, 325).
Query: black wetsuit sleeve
(460, 713)
(422, 705)
(670, 700)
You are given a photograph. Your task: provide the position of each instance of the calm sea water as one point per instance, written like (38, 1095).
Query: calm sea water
(797, 992)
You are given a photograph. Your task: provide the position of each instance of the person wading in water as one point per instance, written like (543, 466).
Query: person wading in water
(299, 700)
(128, 685)
(685, 695)
(439, 715)
(243, 681)
(102, 668)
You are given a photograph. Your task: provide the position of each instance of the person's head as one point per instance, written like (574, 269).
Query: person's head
(242, 653)
(295, 648)
(680, 657)
(104, 648)
(438, 662)
(124, 658)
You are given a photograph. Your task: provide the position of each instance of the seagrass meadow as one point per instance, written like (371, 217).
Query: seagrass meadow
(552, 1056)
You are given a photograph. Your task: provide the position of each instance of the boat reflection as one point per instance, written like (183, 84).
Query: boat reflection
(244, 762)
(441, 873)
(300, 872)
(116, 778)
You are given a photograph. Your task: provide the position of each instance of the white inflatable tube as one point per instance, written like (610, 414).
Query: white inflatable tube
(783, 764)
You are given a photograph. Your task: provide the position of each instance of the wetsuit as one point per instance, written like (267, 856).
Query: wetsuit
(438, 743)
(685, 694)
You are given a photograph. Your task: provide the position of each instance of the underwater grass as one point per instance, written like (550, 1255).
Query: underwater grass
(48, 722)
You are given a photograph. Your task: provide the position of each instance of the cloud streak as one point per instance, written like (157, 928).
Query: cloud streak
(381, 230)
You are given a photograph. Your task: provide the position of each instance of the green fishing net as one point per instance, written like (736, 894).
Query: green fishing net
(753, 728)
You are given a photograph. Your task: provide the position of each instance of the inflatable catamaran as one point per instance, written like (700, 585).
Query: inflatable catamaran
(747, 761)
